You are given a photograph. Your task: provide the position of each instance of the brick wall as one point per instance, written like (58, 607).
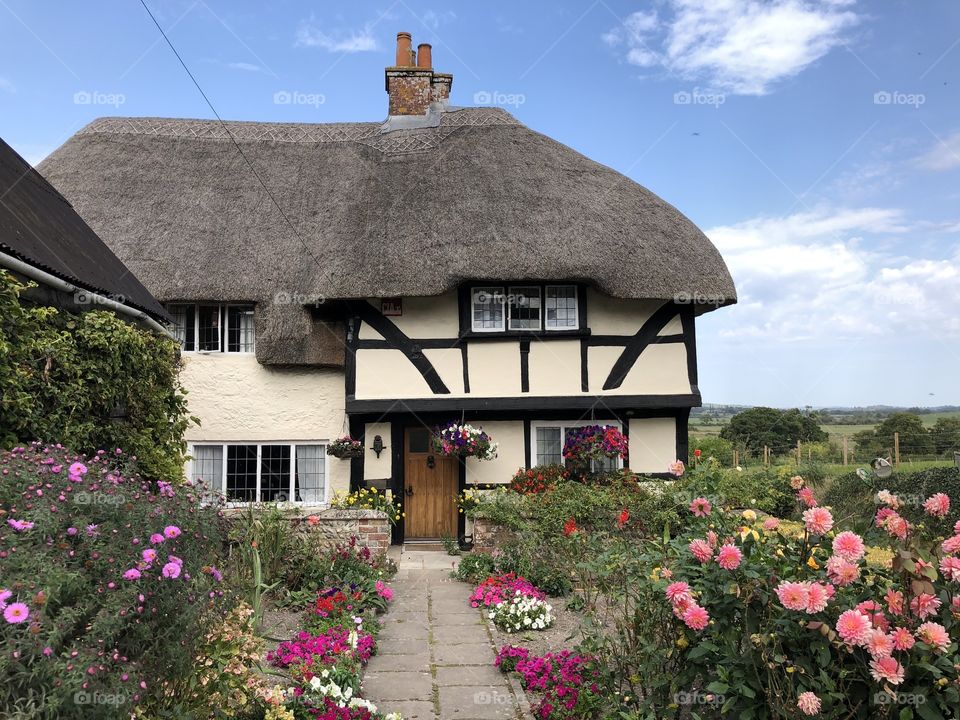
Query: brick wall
(334, 526)
(410, 91)
(488, 536)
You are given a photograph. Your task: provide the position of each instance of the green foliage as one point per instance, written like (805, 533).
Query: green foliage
(64, 375)
(915, 439)
(780, 430)
(90, 622)
(713, 446)
(758, 488)
(475, 567)
(946, 435)
(450, 544)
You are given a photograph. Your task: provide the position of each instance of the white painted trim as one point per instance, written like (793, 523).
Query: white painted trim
(503, 309)
(576, 308)
(293, 464)
(223, 336)
(564, 425)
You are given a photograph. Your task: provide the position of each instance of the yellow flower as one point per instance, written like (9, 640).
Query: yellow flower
(749, 515)
(811, 563)
(682, 642)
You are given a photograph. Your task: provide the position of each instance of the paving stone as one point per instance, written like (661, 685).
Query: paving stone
(410, 709)
(491, 702)
(402, 647)
(470, 676)
(405, 631)
(460, 634)
(417, 662)
(405, 616)
(382, 687)
(449, 605)
(467, 654)
(464, 618)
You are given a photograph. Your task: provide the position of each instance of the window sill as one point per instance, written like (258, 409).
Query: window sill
(500, 334)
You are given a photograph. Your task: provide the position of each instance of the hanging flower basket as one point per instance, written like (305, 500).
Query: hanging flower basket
(594, 442)
(345, 447)
(456, 440)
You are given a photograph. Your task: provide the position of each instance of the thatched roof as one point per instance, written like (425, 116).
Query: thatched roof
(39, 227)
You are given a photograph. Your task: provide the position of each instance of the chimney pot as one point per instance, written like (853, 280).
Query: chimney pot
(404, 50)
(424, 56)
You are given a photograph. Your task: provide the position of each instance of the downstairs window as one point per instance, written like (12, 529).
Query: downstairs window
(245, 473)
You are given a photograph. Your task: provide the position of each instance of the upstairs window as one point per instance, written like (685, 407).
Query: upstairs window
(524, 308)
(213, 328)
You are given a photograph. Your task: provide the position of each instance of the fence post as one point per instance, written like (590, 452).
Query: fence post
(736, 457)
(766, 456)
(846, 455)
(799, 451)
(896, 449)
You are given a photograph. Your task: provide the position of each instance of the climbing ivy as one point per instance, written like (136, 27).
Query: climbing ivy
(89, 380)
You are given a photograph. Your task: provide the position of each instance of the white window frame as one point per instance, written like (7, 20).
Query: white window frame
(259, 445)
(512, 293)
(565, 425)
(223, 336)
(576, 308)
(494, 290)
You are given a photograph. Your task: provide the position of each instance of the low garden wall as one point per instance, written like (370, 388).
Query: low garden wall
(333, 526)
(488, 536)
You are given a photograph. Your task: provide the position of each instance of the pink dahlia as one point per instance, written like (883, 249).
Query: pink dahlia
(950, 567)
(924, 605)
(897, 527)
(853, 627)
(849, 546)
(808, 703)
(818, 520)
(729, 557)
(879, 644)
(701, 550)
(771, 524)
(700, 507)
(677, 590)
(902, 639)
(793, 595)
(676, 468)
(16, 613)
(934, 635)
(806, 497)
(887, 669)
(894, 599)
(937, 505)
(696, 617)
(818, 597)
(951, 545)
(841, 571)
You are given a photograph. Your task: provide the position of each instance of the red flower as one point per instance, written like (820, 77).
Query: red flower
(697, 453)
(570, 527)
(623, 519)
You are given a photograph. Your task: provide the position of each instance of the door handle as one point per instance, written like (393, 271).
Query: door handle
(431, 462)
(409, 492)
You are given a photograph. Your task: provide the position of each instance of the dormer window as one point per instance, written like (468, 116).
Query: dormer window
(524, 308)
(213, 327)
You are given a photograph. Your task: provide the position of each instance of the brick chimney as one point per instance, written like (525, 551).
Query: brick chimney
(412, 84)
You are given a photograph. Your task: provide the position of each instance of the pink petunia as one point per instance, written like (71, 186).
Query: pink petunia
(817, 520)
(696, 617)
(937, 505)
(16, 613)
(887, 669)
(701, 550)
(729, 557)
(793, 595)
(808, 703)
(853, 627)
(700, 507)
(935, 635)
(849, 546)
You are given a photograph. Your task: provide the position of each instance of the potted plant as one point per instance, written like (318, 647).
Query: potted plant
(463, 440)
(345, 447)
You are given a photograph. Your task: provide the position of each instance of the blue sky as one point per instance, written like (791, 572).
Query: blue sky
(816, 142)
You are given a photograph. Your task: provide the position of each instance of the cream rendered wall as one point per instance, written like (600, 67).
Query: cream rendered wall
(660, 370)
(653, 444)
(555, 367)
(494, 368)
(511, 453)
(429, 317)
(377, 468)
(389, 374)
(239, 400)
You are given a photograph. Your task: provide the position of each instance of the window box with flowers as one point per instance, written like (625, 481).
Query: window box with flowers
(345, 448)
(463, 440)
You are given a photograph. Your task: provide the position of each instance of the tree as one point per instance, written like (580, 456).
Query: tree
(946, 435)
(780, 430)
(915, 440)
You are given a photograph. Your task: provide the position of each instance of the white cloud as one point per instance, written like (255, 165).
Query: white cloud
(944, 155)
(741, 46)
(247, 67)
(434, 19)
(820, 275)
(336, 40)
(7, 86)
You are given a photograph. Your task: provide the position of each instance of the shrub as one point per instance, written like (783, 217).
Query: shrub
(474, 567)
(65, 375)
(114, 580)
(370, 499)
(713, 446)
(539, 479)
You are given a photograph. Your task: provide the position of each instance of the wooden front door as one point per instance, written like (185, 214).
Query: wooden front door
(430, 488)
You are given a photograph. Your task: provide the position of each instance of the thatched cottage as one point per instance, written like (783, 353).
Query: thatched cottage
(380, 278)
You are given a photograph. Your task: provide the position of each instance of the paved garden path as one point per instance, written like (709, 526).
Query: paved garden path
(435, 657)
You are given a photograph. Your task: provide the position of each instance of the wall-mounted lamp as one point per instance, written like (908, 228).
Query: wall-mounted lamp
(378, 446)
